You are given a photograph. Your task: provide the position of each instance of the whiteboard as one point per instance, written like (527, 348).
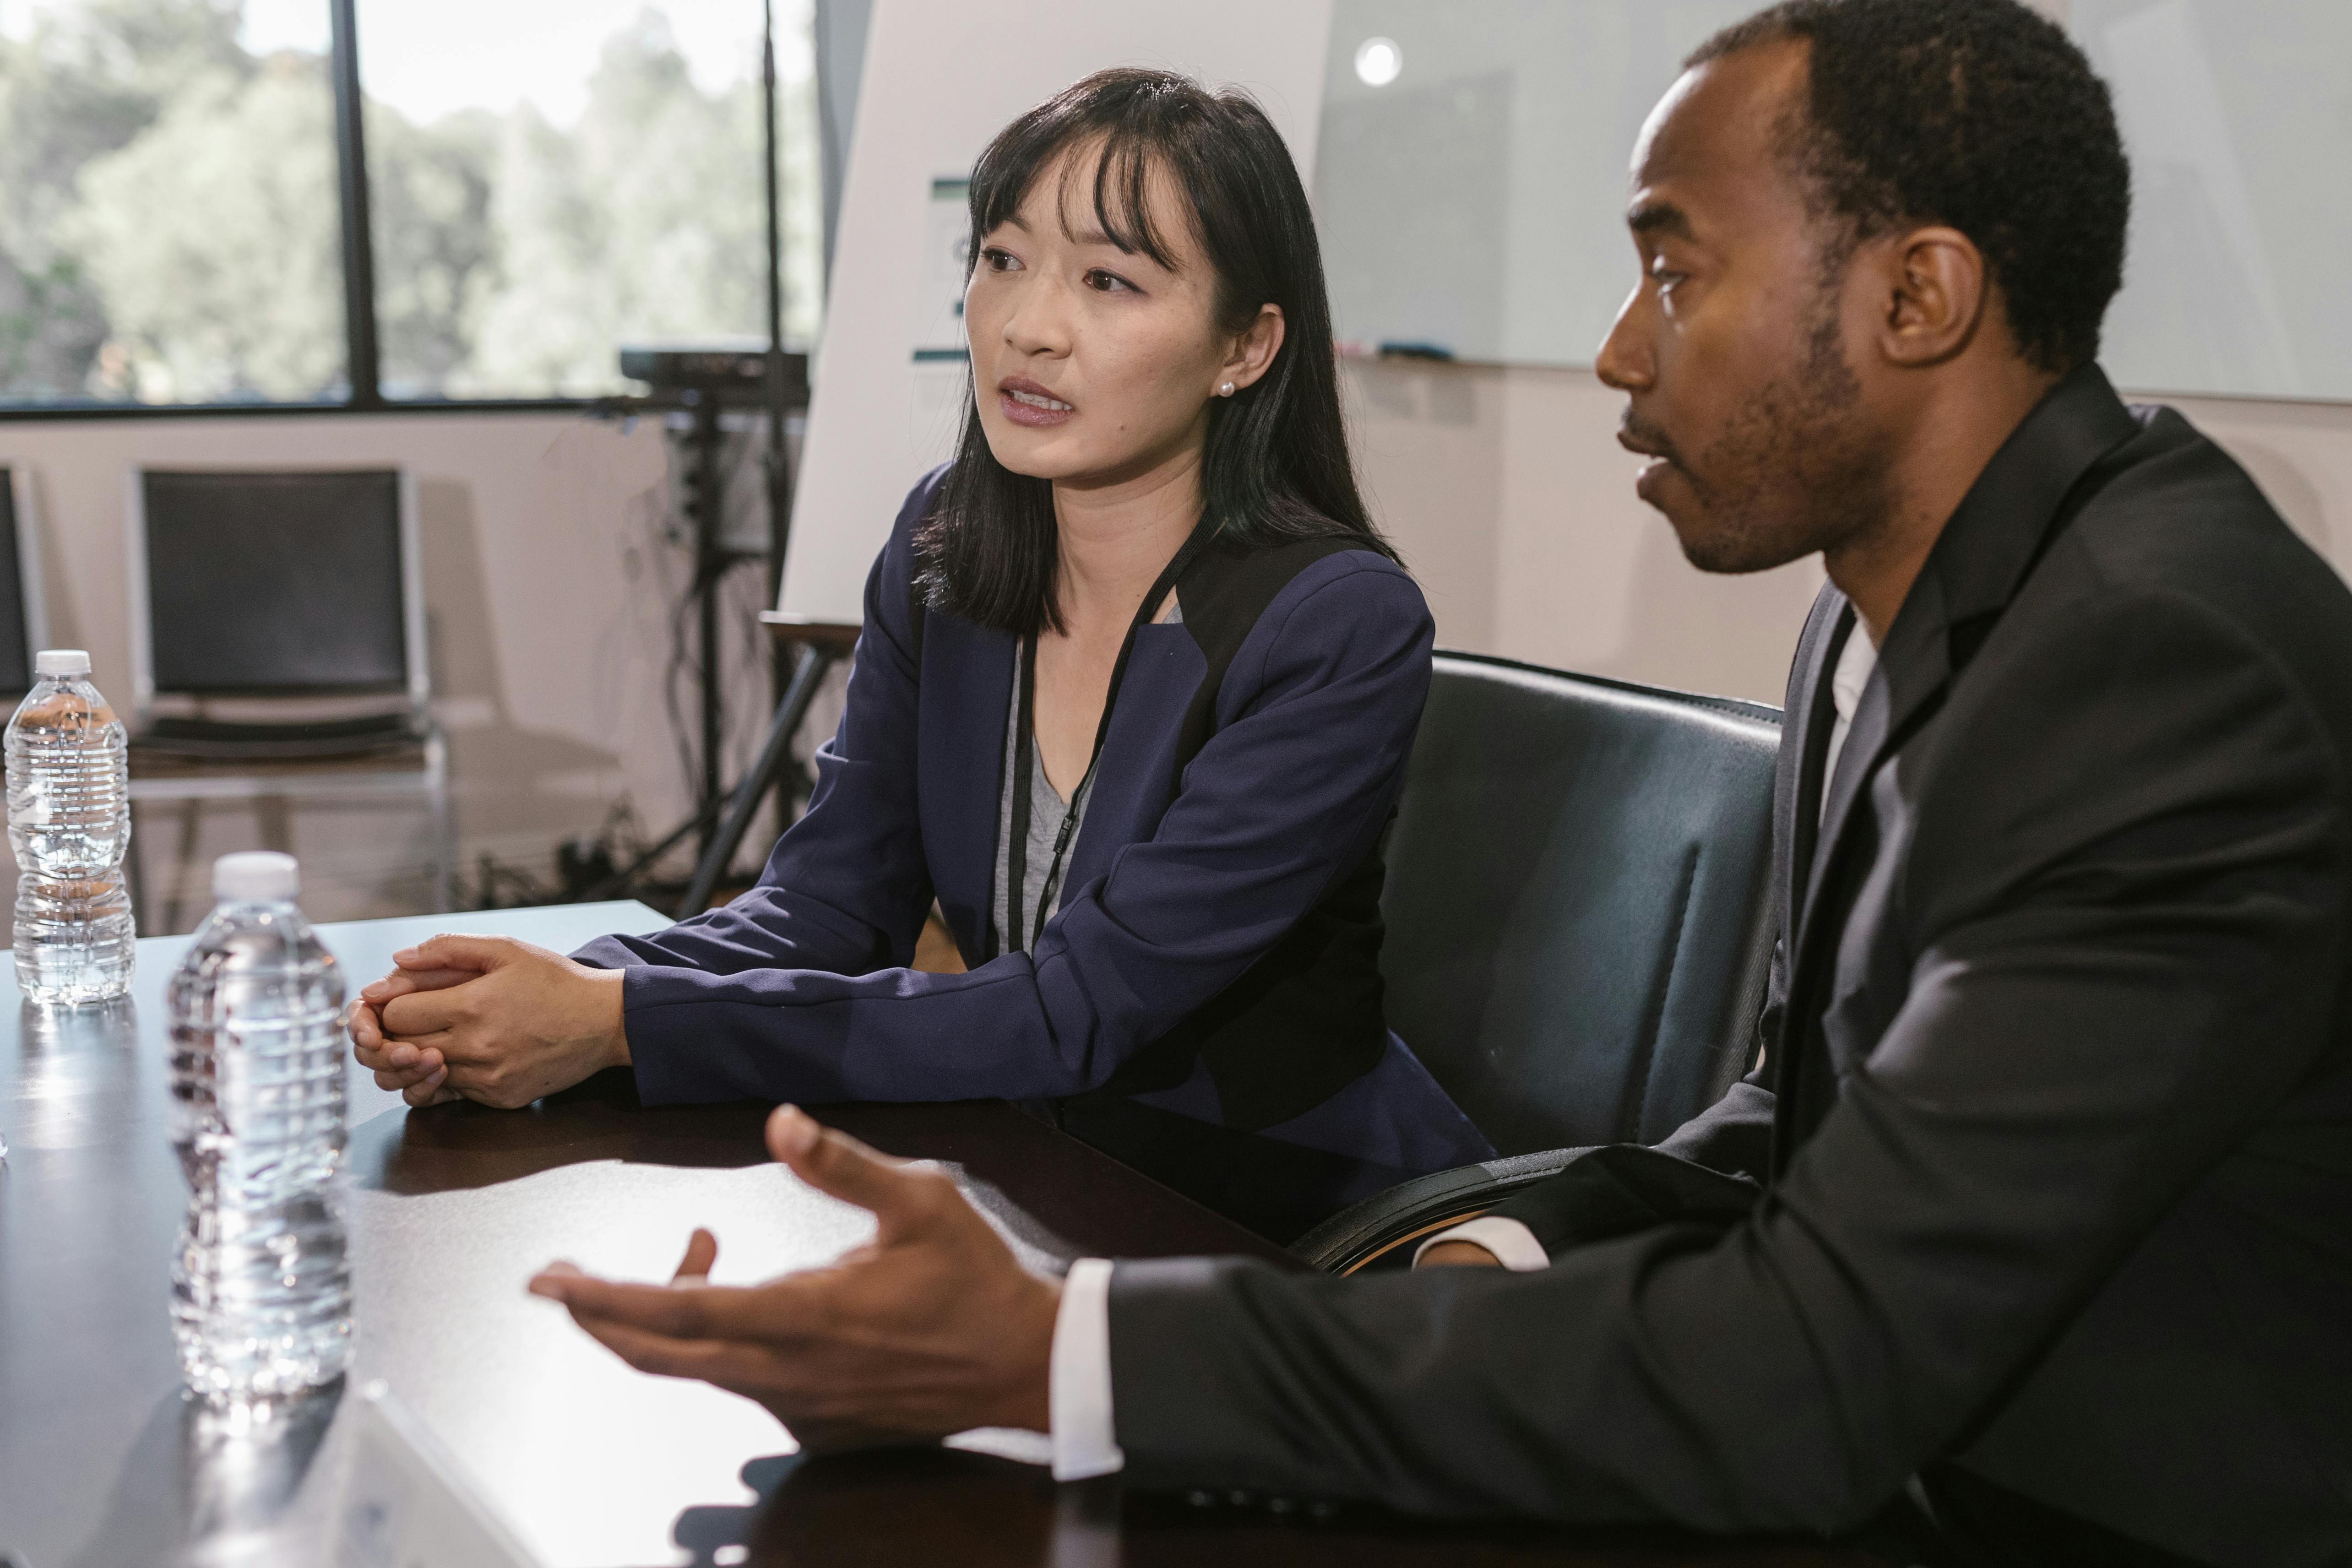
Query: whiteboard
(2238, 117)
(1475, 203)
(941, 77)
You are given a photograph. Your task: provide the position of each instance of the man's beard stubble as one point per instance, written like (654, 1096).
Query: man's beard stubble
(1795, 473)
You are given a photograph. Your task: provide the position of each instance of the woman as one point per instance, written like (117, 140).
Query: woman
(1133, 700)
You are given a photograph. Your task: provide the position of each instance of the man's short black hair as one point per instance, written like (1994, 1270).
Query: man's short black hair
(1981, 114)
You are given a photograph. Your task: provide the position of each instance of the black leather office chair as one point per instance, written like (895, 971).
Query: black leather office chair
(1578, 936)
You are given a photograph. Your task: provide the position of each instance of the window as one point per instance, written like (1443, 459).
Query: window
(168, 227)
(581, 174)
(547, 179)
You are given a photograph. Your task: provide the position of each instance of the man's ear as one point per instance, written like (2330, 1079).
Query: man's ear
(1932, 293)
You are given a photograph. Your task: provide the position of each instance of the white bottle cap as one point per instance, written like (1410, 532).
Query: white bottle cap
(61, 662)
(256, 876)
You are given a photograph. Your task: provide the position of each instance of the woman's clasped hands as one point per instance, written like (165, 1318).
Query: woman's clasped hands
(487, 1019)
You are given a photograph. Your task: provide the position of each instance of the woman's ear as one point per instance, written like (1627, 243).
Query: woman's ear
(1253, 350)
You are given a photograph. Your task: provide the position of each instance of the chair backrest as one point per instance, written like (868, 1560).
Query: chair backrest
(23, 626)
(277, 584)
(1578, 937)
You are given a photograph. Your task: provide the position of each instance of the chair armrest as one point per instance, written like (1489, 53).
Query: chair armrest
(1381, 1232)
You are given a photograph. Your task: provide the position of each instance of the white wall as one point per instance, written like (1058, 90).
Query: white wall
(548, 586)
(1512, 502)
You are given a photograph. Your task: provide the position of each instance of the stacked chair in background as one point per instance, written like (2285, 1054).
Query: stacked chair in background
(278, 648)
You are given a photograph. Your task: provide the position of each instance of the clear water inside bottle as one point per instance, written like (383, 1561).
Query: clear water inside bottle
(69, 827)
(75, 943)
(260, 1288)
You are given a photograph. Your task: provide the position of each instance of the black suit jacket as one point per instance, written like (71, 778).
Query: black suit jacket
(2053, 1135)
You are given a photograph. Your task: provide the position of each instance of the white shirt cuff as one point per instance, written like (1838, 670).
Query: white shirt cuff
(1513, 1244)
(1085, 1443)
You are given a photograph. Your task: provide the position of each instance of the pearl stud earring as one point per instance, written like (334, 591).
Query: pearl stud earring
(1226, 390)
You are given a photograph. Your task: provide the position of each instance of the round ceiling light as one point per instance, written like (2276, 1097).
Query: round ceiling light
(1379, 61)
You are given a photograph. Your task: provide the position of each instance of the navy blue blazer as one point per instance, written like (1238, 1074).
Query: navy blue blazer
(1205, 1005)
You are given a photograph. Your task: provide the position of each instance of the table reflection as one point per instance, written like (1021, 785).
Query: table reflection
(210, 1487)
(897, 1505)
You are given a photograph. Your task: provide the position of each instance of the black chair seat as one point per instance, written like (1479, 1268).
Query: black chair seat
(219, 740)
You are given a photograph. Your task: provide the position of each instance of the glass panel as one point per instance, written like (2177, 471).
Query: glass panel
(1495, 133)
(2239, 124)
(1470, 174)
(573, 175)
(168, 222)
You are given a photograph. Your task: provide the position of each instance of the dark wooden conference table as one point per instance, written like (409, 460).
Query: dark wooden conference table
(104, 1464)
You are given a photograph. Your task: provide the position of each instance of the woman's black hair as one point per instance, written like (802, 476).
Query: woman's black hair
(1275, 467)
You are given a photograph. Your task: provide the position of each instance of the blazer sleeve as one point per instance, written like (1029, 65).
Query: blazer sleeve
(1320, 705)
(847, 887)
(2127, 905)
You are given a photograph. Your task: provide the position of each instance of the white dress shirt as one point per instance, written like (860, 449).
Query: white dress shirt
(1852, 672)
(1086, 1439)
(1085, 1442)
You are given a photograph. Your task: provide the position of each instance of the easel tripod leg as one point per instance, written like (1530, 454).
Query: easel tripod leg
(808, 674)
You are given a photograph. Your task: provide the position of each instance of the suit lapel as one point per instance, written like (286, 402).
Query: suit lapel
(1978, 563)
(1911, 671)
(1807, 717)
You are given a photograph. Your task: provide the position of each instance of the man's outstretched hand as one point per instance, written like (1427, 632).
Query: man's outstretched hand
(933, 1327)
(489, 1018)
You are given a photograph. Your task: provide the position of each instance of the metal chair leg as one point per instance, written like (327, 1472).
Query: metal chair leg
(445, 827)
(273, 823)
(191, 827)
(133, 875)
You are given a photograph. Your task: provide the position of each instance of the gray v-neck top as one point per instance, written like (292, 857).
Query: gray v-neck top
(1047, 812)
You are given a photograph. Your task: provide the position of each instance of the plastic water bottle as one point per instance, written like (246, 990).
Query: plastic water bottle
(261, 1294)
(70, 823)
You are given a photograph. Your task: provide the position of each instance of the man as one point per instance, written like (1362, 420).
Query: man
(2052, 1234)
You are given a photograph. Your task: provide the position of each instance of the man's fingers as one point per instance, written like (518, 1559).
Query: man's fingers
(728, 1366)
(676, 1311)
(836, 1164)
(702, 1252)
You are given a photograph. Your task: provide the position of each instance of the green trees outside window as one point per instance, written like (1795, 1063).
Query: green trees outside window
(170, 230)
